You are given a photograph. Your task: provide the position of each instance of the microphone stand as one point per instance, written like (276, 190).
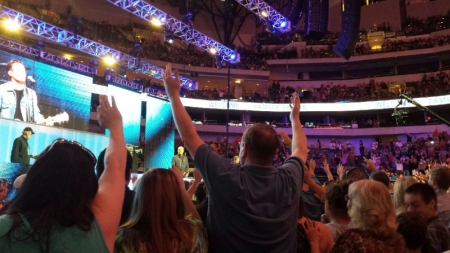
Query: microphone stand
(423, 108)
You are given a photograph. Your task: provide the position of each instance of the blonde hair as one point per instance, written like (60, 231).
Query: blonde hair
(372, 208)
(399, 193)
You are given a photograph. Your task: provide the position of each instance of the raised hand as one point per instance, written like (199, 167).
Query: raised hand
(369, 164)
(326, 166)
(285, 137)
(312, 165)
(108, 115)
(295, 106)
(171, 84)
(340, 170)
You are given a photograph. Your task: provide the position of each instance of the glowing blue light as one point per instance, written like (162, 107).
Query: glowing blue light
(283, 24)
(233, 56)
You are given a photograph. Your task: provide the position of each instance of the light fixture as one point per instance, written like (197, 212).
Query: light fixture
(155, 21)
(12, 24)
(283, 24)
(264, 14)
(213, 50)
(109, 60)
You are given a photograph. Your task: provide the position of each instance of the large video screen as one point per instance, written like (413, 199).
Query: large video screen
(159, 134)
(35, 92)
(129, 103)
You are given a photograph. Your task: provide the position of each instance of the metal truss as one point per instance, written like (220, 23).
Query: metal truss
(47, 57)
(267, 13)
(124, 82)
(185, 32)
(77, 42)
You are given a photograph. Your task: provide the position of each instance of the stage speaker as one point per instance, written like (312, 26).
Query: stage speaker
(348, 36)
(317, 19)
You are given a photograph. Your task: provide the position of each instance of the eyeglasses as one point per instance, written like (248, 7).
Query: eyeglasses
(75, 143)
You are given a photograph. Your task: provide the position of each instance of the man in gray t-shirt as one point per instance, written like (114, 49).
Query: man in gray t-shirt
(253, 207)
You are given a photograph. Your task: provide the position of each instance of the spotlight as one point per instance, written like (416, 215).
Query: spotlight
(283, 24)
(109, 60)
(213, 50)
(12, 25)
(233, 56)
(155, 21)
(264, 14)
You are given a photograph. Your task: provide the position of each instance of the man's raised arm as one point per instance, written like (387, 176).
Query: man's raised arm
(299, 141)
(182, 120)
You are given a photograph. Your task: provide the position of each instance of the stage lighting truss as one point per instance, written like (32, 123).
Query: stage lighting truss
(180, 29)
(125, 83)
(13, 46)
(268, 14)
(53, 33)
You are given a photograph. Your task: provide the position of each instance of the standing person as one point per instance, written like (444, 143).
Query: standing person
(373, 221)
(421, 199)
(253, 207)
(61, 206)
(180, 160)
(163, 218)
(20, 152)
(361, 148)
(440, 181)
(16, 100)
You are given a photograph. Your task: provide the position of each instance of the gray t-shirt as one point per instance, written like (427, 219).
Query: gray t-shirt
(251, 208)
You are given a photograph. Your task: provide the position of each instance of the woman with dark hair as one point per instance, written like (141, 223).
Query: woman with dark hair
(163, 218)
(61, 207)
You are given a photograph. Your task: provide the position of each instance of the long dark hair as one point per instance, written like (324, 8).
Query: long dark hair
(157, 221)
(59, 189)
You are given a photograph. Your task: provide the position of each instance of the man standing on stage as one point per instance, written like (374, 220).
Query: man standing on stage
(180, 160)
(16, 100)
(21, 150)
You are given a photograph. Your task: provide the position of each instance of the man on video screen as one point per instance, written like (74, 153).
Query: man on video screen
(17, 101)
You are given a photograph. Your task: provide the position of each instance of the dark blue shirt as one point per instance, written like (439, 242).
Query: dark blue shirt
(251, 208)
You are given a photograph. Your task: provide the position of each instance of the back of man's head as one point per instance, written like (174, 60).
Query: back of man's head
(101, 165)
(262, 143)
(380, 177)
(413, 228)
(355, 174)
(441, 176)
(425, 191)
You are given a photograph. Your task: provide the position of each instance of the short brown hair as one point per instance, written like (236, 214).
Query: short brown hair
(262, 142)
(442, 176)
(11, 63)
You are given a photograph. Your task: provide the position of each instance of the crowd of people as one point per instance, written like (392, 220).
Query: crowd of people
(123, 38)
(72, 201)
(431, 84)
